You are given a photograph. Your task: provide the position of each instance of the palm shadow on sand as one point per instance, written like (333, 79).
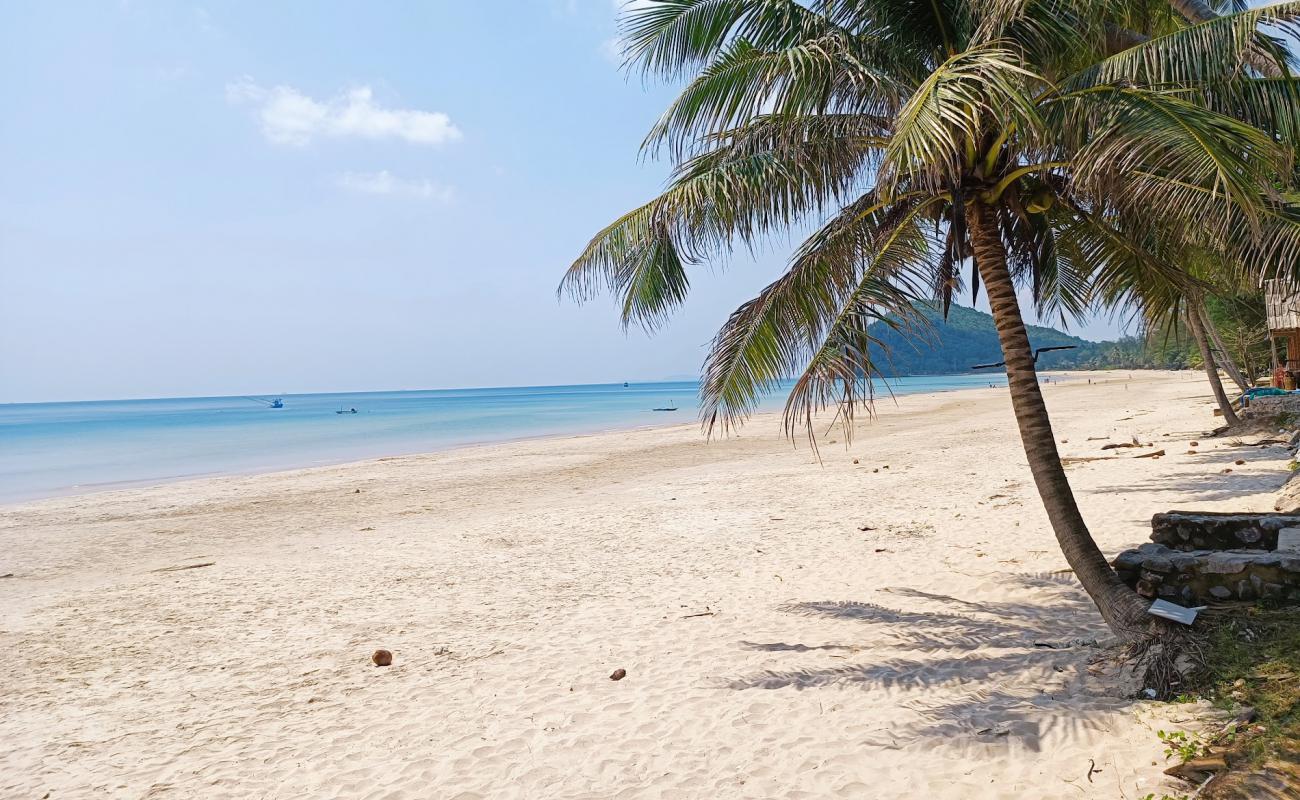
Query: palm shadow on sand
(1010, 659)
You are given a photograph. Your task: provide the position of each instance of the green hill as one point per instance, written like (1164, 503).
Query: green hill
(968, 337)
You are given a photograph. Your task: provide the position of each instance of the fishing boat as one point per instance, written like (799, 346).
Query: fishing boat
(346, 411)
(673, 407)
(273, 403)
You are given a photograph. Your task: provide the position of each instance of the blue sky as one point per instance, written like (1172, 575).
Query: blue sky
(252, 197)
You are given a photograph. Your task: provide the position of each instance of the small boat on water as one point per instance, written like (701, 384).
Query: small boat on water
(673, 407)
(346, 411)
(273, 403)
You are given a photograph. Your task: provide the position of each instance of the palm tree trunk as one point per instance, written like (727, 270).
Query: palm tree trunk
(1193, 11)
(1124, 611)
(1224, 356)
(1211, 368)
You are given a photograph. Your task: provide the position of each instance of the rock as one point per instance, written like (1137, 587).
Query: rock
(1223, 564)
(1159, 564)
(382, 658)
(1221, 592)
(1272, 591)
(1249, 535)
(1239, 461)
(1129, 559)
(1288, 540)
(618, 674)
(1288, 496)
(1195, 444)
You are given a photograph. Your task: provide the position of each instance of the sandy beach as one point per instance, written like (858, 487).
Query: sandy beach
(898, 627)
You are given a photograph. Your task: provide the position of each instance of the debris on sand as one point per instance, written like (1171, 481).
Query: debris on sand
(618, 674)
(382, 658)
(186, 566)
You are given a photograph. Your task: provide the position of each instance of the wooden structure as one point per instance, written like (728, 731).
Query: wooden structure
(1282, 303)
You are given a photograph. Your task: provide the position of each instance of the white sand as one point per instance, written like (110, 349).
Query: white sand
(511, 580)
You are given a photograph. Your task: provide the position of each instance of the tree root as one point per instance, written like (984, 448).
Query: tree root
(1168, 659)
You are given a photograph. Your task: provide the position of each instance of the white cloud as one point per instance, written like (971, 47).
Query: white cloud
(612, 50)
(384, 182)
(287, 116)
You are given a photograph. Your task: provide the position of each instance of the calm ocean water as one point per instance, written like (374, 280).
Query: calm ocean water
(49, 449)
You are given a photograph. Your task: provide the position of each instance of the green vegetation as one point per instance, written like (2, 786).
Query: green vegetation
(1181, 746)
(1253, 659)
(968, 337)
(1251, 662)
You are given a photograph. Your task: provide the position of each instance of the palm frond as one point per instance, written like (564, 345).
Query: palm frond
(867, 261)
(1213, 50)
(734, 192)
(831, 74)
(1129, 133)
(672, 37)
(948, 114)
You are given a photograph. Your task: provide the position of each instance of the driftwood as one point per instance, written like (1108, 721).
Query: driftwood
(1198, 769)
(185, 566)
(1155, 454)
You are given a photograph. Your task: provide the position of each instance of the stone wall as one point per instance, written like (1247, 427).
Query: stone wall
(1204, 530)
(1274, 406)
(1196, 558)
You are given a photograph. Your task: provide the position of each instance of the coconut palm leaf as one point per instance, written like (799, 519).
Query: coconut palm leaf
(830, 74)
(873, 250)
(717, 197)
(671, 37)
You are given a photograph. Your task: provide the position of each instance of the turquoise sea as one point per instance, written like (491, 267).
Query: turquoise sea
(49, 449)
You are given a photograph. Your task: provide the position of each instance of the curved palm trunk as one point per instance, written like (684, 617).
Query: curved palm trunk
(1124, 611)
(1224, 356)
(1193, 10)
(1211, 368)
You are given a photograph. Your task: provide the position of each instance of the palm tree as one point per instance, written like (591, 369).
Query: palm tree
(1222, 354)
(1194, 313)
(924, 135)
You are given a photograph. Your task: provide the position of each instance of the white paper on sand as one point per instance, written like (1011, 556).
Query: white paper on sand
(1174, 612)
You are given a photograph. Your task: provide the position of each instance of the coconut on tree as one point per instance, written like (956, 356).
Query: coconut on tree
(940, 146)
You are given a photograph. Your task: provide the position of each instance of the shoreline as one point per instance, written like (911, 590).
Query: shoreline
(870, 623)
(113, 486)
